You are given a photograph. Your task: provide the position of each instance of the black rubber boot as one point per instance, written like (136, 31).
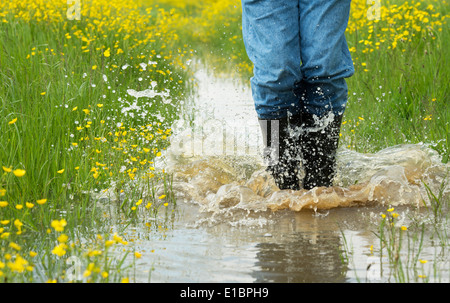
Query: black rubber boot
(319, 141)
(281, 152)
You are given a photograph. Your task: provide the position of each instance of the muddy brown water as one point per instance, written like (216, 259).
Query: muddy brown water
(231, 223)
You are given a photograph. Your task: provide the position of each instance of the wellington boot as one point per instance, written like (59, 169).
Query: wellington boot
(319, 141)
(281, 152)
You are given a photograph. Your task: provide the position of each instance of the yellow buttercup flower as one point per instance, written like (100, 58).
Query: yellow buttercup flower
(19, 264)
(59, 225)
(93, 253)
(63, 238)
(119, 239)
(18, 224)
(12, 121)
(15, 246)
(108, 243)
(59, 250)
(19, 172)
(41, 201)
(60, 171)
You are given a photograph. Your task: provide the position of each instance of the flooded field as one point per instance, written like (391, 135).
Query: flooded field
(231, 223)
(130, 150)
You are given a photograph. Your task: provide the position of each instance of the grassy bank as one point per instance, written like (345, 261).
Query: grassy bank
(71, 128)
(400, 87)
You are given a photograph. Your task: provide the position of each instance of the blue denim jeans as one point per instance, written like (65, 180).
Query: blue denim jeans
(300, 55)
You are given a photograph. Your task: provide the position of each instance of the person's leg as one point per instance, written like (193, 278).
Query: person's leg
(271, 37)
(326, 62)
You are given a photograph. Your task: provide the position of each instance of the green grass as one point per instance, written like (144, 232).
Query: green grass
(64, 125)
(403, 97)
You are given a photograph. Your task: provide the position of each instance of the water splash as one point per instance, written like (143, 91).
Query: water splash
(148, 93)
(393, 176)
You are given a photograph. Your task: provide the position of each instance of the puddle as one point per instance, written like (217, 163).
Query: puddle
(272, 247)
(232, 224)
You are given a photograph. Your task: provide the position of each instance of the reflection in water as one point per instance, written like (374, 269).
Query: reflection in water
(306, 253)
(284, 247)
(300, 260)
